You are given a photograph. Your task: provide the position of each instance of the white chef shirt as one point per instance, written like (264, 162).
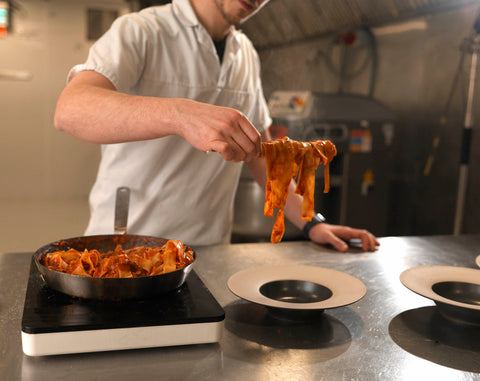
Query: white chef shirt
(177, 192)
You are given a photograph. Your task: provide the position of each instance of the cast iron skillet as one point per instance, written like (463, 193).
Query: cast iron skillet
(110, 288)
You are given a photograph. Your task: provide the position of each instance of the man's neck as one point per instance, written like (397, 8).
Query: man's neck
(211, 18)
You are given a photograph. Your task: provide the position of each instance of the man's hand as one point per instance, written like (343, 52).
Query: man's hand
(336, 235)
(220, 129)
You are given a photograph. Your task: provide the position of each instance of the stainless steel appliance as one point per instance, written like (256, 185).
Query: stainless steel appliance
(362, 130)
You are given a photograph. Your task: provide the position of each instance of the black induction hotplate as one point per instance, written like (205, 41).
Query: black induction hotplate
(55, 323)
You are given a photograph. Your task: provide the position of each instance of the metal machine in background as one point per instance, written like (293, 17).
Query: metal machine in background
(362, 129)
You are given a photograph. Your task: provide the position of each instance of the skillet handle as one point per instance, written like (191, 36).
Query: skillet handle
(121, 210)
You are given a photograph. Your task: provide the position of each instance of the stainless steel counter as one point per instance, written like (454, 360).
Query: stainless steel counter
(390, 334)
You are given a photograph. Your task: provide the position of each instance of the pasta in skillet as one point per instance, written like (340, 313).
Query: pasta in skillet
(120, 263)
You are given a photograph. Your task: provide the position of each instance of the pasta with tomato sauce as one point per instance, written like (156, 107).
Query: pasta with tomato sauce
(285, 159)
(119, 263)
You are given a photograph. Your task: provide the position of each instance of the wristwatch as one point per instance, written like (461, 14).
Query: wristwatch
(316, 219)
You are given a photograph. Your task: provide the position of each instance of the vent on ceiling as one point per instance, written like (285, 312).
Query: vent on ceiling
(283, 22)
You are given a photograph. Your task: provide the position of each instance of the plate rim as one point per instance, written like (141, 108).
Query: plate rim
(340, 283)
(420, 280)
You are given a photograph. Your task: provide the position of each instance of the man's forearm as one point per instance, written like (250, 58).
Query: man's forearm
(91, 109)
(94, 111)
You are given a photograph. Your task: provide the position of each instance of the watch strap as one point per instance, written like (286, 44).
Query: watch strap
(316, 219)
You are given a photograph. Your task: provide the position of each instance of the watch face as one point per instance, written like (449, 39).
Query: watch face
(319, 217)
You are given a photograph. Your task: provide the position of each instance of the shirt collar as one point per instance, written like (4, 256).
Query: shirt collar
(185, 13)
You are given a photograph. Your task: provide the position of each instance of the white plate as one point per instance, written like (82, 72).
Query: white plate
(421, 279)
(477, 261)
(345, 288)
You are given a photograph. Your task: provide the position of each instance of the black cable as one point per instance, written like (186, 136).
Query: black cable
(373, 71)
(476, 24)
(371, 58)
(456, 80)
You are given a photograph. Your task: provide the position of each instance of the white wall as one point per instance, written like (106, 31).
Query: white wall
(36, 160)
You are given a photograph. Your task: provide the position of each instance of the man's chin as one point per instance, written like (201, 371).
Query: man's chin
(238, 20)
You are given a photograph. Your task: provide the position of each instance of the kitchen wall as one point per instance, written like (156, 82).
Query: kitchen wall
(417, 62)
(416, 67)
(46, 174)
(37, 161)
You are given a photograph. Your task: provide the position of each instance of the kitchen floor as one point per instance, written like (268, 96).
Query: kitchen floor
(26, 225)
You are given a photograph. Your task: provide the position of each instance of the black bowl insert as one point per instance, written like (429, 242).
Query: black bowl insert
(462, 292)
(295, 291)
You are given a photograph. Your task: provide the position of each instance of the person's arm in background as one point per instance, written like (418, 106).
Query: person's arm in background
(91, 109)
(323, 233)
